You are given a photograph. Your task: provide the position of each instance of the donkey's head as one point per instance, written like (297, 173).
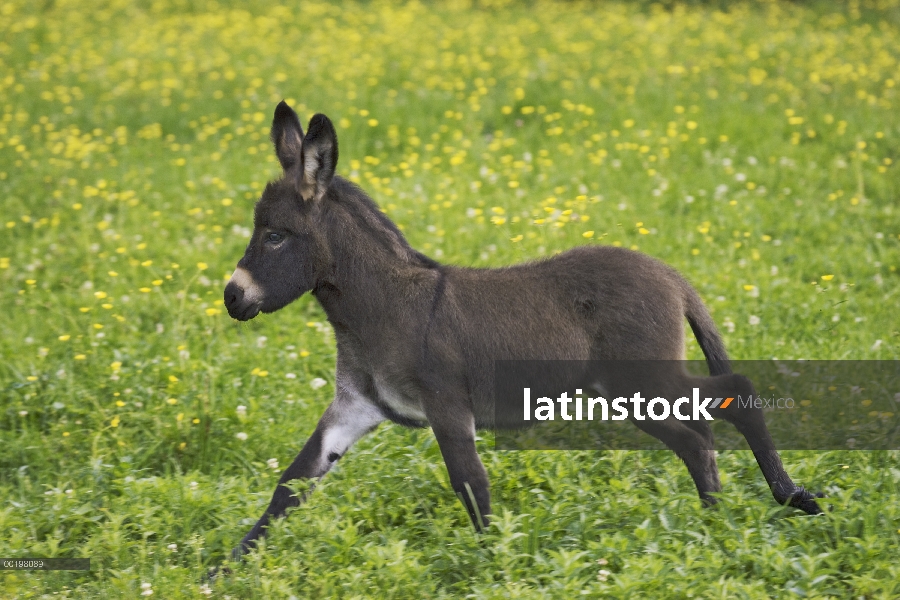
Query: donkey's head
(286, 252)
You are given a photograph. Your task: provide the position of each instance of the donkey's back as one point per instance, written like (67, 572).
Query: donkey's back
(591, 302)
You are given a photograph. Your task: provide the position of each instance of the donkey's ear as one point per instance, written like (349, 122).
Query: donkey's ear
(319, 158)
(287, 135)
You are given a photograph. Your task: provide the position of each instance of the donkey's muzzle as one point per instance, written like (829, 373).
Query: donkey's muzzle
(239, 306)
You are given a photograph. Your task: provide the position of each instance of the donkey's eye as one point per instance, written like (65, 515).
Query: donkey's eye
(274, 238)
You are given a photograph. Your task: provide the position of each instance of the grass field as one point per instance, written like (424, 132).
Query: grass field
(754, 148)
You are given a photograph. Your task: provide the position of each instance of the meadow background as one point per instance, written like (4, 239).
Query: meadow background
(751, 145)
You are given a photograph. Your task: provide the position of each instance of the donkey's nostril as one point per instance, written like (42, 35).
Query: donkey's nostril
(233, 294)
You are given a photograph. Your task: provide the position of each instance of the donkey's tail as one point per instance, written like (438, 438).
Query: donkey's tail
(705, 331)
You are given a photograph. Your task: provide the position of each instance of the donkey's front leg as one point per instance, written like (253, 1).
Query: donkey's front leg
(348, 418)
(455, 433)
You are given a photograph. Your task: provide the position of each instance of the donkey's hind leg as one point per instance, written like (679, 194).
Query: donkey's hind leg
(692, 441)
(694, 448)
(750, 422)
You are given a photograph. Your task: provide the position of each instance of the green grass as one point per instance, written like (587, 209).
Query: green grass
(754, 149)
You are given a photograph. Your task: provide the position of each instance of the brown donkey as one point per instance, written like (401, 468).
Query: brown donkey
(417, 340)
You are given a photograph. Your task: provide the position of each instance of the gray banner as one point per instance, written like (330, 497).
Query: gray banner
(631, 405)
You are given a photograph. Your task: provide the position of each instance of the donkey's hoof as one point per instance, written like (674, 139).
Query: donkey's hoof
(214, 572)
(806, 502)
(708, 501)
(810, 507)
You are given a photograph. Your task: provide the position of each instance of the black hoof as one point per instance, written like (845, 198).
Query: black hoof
(708, 501)
(804, 500)
(215, 572)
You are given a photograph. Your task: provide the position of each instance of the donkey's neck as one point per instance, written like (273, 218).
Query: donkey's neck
(373, 269)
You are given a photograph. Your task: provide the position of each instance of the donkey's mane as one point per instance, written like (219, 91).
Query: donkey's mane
(370, 219)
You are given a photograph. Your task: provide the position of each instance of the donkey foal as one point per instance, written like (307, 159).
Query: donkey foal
(417, 340)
